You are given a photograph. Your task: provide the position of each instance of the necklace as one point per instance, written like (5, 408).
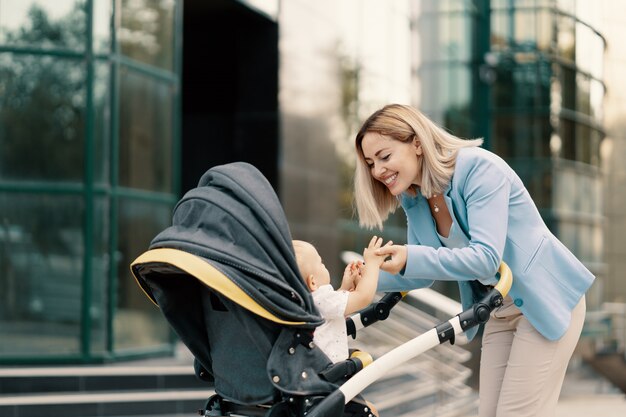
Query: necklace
(435, 206)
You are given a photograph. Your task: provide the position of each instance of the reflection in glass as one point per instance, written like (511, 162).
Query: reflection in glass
(102, 16)
(566, 37)
(145, 132)
(500, 31)
(525, 35)
(102, 121)
(456, 37)
(583, 144)
(596, 97)
(590, 46)
(50, 91)
(457, 116)
(147, 31)
(568, 87)
(582, 94)
(100, 265)
(139, 223)
(544, 29)
(41, 269)
(568, 139)
(43, 23)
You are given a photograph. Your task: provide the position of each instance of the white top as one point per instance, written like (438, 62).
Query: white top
(331, 336)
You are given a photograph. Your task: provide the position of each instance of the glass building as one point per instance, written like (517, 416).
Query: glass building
(89, 172)
(527, 77)
(111, 109)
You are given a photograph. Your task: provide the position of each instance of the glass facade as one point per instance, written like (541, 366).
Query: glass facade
(533, 69)
(89, 128)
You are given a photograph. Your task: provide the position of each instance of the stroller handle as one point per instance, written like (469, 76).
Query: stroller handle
(506, 280)
(446, 331)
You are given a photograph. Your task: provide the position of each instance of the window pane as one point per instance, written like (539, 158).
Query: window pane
(582, 94)
(458, 114)
(525, 35)
(589, 47)
(102, 15)
(500, 31)
(568, 142)
(50, 91)
(139, 223)
(565, 37)
(568, 88)
(145, 132)
(596, 97)
(147, 31)
(435, 88)
(457, 39)
(583, 143)
(102, 121)
(43, 23)
(41, 269)
(544, 29)
(100, 266)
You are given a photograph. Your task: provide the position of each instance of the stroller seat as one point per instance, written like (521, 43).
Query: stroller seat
(224, 275)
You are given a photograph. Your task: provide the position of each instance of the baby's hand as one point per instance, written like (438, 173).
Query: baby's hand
(369, 253)
(351, 276)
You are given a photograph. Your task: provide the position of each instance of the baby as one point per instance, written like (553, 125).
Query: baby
(357, 290)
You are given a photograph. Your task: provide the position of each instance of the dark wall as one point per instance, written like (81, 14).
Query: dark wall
(230, 89)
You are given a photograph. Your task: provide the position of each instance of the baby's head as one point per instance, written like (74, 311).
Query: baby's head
(310, 264)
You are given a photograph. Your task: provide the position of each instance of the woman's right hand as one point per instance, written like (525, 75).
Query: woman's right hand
(395, 258)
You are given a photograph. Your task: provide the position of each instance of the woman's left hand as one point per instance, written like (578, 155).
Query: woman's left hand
(396, 258)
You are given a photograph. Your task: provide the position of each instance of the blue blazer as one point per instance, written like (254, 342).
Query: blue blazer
(502, 223)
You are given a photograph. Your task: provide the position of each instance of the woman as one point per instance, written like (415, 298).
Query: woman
(467, 211)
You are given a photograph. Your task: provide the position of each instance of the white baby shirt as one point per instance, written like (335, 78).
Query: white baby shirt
(331, 336)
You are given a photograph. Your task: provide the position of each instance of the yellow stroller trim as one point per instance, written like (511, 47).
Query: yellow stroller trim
(208, 275)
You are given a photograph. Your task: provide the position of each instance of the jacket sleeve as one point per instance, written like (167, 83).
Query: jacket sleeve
(485, 188)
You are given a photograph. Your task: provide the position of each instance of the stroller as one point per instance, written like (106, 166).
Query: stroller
(225, 277)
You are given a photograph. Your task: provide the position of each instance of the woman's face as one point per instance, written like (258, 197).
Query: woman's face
(394, 163)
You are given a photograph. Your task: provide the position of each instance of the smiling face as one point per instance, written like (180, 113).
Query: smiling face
(396, 164)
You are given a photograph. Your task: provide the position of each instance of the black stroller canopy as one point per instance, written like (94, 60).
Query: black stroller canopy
(234, 221)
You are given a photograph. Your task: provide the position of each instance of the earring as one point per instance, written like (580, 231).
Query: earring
(435, 206)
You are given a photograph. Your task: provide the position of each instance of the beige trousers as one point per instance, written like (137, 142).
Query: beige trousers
(521, 372)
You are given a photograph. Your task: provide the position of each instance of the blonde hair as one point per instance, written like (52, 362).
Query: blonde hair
(372, 199)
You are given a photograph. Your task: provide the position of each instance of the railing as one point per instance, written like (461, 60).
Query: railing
(607, 328)
(433, 383)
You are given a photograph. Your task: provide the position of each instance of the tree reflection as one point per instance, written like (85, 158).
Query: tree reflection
(42, 100)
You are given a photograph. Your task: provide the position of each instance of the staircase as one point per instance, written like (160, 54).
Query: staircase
(101, 391)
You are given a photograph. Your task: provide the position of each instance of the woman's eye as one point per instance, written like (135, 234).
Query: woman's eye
(386, 157)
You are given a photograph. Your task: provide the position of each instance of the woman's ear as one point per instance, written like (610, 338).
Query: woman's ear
(418, 146)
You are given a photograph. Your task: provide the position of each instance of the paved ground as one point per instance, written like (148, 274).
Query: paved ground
(585, 394)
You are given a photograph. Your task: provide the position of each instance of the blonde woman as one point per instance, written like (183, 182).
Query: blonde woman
(467, 211)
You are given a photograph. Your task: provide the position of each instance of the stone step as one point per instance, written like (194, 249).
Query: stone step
(105, 404)
(97, 378)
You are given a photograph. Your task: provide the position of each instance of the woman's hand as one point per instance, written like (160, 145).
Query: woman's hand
(395, 258)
